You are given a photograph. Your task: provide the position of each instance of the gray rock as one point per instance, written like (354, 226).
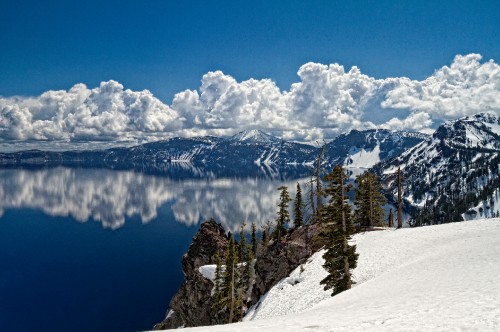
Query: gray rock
(192, 305)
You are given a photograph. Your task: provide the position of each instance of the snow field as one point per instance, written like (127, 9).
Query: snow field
(435, 278)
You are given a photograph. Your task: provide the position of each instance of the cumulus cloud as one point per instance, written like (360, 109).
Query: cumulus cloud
(80, 114)
(417, 121)
(326, 101)
(464, 88)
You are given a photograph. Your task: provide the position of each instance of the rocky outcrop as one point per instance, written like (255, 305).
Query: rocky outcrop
(192, 305)
(279, 258)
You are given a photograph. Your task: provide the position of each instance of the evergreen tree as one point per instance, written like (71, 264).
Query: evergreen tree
(298, 208)
(340, 257)
(242, 252)
(266, 231)
(218, 305)
(317, 175)
(312, 207)
(245, 284)
(400, 200)
(230, 278)
(254, 239)
(369, 201)
(283, 214)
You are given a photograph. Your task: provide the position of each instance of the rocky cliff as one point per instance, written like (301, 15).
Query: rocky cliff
(192, 305)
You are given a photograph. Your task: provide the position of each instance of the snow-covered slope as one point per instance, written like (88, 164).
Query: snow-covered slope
(364, 149)
(450, 173)
(418, 279)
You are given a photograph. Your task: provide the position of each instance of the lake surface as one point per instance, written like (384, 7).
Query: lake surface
(100, 250)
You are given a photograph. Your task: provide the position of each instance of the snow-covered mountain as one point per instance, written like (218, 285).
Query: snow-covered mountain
(453, 175)
(421, 279)
(245, 151)
(364, 149)
(254, 136)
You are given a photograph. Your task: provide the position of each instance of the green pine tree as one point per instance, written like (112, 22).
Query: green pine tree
(369, 201)
(298, 208)
(217, 297)
(391, 219)
(266, 231)
(254, 239)
(242, 252)
(400, 200)
(340, 257)
(283, 214)
(230, 278)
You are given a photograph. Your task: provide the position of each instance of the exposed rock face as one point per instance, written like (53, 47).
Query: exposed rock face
(192, 305)
(278, 259)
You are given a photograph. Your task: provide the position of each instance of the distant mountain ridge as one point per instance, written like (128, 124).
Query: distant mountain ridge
(451, 176)
(247, 149)
(366, 148)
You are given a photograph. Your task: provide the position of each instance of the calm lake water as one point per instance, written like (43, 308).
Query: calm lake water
(100, 250)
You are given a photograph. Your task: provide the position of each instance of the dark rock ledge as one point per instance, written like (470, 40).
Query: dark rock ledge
(192, 305)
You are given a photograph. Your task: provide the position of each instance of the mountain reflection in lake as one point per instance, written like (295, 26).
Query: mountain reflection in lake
(101, 250)
(109, 197)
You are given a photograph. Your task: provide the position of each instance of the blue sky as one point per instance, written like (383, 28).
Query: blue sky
(167, 46)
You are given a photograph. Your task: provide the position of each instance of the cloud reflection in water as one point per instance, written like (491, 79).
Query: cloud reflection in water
(109, 197)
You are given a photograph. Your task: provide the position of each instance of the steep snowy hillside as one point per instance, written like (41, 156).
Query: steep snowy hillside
(363, 149)
(421, 279)
(453, 175)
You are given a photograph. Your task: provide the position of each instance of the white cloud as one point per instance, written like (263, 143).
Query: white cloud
(417, 121)
(326, 101)
(102, 114)
(464, 88)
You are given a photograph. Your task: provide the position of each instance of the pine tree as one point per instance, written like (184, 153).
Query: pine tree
(245, 284)
(230, 277)
(217, 305)
(266, 231)
(369, 201)
(242, 252)
(283, 214)
(317, 175)
(400, 200)
(254, 239)
(312, 207)
(340, 257)
(298, 208)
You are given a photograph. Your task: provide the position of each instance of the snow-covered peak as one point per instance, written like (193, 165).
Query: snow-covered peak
(477, 131)
(254, 136)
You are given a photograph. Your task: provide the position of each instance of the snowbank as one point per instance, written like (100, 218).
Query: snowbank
(208, 271)
(442, 277)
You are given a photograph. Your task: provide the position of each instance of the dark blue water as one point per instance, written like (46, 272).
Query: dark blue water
(57, 274)
(100, 250)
